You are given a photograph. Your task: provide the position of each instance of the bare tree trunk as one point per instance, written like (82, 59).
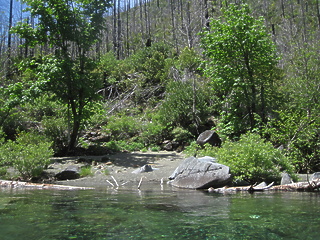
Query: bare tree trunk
(126, 35)
(206, 14)
(141, 18)
(119, 31)
(282, 9)
(147, 18)
(114, 32)
(304, 33)
(189, 27)
(173, 20)
(9, 39)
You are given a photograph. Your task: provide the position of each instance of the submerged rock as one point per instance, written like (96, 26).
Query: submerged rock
(200, 173)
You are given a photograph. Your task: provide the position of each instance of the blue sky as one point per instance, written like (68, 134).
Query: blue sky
(4, 10)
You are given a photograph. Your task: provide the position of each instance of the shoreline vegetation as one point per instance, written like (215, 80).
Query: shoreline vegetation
(77, 81)
(123, 167)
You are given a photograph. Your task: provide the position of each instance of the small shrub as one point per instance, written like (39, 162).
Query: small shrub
(195, 150)
(112, 146)
(123, 127)
(185, 105)
(153, 133)
(30, 154)
(107, 172)
(56, 129)
(181, 135)
(192, 149)
(86, 171)
(252, 159)
(123, 145)
(155, 149)
(3, 172)
(130, 146)
(299, 135)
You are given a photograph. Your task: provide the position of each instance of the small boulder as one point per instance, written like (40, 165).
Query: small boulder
(145, 168)
(200, 173)
(209, 136)
(71, 172)
(315, 177)
(286, 179)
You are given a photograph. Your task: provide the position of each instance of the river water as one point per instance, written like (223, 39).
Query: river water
(156, 212)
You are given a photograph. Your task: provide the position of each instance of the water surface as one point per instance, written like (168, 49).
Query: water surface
(155, 213)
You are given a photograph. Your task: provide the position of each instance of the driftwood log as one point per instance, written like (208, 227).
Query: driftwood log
(18, 184)
(313, 186)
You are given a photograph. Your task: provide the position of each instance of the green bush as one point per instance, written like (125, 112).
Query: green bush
(186, 105)
(56, 129)
(195, 150)
(253, 159)
(130, 146)
(3, 172)
(112, 146)
(30, 154)
(86, 171)
(153, 133)
(181, 135)
(298, 135)
(250, 159)
(122, 127)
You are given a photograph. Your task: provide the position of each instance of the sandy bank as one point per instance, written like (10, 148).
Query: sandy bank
(118, 168)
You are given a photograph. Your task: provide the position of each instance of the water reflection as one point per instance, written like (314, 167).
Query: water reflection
(155, 213)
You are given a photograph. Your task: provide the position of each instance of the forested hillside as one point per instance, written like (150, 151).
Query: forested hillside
(131, 75)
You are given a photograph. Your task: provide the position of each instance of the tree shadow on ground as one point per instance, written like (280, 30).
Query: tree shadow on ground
(139, 159)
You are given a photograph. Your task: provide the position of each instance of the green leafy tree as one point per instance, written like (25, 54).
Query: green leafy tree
(71, 28)
(241, 62)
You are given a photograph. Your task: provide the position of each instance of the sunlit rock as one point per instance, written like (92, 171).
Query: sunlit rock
(200, 173)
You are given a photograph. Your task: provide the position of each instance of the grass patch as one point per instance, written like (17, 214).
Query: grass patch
(86, 171)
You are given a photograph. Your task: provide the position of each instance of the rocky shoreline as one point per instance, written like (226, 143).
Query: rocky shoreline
(127, 170)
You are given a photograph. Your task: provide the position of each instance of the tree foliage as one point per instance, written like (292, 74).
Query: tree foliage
(242, 63)
(71, 27)
(185, 105)
(147, 66)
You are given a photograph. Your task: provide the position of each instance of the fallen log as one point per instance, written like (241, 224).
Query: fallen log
(19, 184)
(313, 186)
(300, 186)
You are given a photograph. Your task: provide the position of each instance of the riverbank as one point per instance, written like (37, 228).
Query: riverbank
(120, 168)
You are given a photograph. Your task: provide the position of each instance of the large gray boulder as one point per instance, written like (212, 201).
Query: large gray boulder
(200, 173)
(209, 136)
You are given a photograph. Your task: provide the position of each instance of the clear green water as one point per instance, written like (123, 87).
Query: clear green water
(153, 213)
